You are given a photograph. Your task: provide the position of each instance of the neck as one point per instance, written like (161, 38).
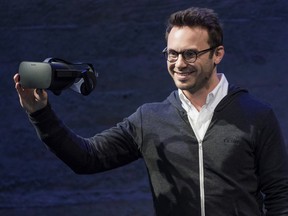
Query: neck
(198, 99)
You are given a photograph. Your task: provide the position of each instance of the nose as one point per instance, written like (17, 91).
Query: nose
(180, 62)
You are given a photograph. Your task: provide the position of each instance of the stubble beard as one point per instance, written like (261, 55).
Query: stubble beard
(200, 83)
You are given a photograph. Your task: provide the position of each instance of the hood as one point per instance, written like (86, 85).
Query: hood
(233, 92)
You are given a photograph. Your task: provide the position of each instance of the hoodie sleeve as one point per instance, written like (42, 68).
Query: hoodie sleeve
(272, 160)
(107, 150)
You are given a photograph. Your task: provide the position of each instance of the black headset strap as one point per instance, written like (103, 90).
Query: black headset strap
(51, 60)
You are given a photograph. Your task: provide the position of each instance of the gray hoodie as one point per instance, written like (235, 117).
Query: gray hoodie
(243, 155)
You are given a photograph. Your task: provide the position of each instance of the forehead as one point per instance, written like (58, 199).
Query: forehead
(187, 37)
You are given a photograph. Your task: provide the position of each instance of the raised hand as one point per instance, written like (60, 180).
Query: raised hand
(31, 100)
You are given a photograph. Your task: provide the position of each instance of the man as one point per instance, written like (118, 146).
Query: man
(210, 148)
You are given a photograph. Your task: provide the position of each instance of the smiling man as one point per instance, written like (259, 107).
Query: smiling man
(210, 148)
(192, 62)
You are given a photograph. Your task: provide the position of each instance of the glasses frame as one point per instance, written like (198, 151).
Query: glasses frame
(197, 54)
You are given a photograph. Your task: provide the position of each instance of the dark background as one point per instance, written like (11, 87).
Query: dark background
(123, 39)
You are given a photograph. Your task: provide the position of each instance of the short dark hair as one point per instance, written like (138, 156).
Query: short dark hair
(198, 17)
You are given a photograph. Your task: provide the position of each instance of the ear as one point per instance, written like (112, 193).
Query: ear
(219, 54)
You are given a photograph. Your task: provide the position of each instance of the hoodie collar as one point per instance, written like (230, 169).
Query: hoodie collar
(233, 91)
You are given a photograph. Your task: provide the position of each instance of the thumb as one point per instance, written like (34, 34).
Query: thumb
(39, 91)
(40, 94)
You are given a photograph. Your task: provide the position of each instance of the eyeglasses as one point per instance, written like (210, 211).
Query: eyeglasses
(190, 56)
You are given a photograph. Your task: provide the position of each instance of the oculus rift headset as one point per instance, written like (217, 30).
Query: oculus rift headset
(56, 75)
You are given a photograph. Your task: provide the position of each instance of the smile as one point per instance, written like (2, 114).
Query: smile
(182, 74)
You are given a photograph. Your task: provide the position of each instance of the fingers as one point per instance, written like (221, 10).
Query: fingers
(22, 93)
(39, 91)
(16, 79)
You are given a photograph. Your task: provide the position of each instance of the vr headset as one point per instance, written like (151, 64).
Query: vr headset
(57, 75)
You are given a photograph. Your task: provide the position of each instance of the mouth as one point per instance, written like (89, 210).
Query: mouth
(183, 74)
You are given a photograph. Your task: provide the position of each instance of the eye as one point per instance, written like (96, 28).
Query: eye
(172, 54)
(189, 54)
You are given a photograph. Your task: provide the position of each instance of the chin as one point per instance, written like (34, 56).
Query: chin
(182, 85)
(190, 88)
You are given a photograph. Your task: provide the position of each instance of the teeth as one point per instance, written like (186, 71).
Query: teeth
(186, 73)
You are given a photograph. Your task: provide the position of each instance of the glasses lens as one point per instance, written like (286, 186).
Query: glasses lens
(172, 55)
(189, 55)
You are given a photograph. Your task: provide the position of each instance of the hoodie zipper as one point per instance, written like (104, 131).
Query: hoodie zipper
(201, 167)
(201, 178)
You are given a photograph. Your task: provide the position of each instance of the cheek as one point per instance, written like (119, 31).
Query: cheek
(207, 66)
(170, 67)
